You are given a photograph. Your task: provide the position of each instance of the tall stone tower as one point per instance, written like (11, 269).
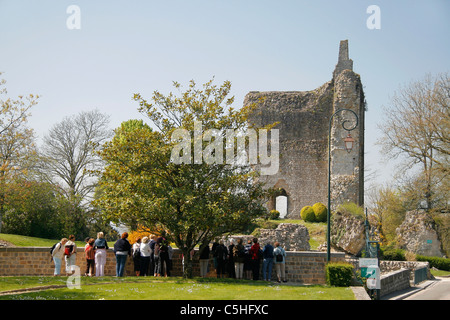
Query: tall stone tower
(304, 118)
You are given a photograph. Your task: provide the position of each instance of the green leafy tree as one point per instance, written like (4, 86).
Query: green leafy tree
(387, 211)
(192, 202)
(32, 210)
(17, 149)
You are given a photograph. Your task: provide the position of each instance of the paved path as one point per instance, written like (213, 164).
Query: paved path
(438, 290)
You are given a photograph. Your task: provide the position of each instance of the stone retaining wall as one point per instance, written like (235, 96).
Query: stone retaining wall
(395, 281)
(303, 267)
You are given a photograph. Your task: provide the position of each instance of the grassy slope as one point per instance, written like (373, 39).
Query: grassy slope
(25, 241)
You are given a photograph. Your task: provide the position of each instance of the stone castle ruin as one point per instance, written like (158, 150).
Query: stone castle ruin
(304, 121)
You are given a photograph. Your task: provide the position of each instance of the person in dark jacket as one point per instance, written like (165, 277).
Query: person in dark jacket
(152, 255)
(163, 262)
(267, 261)
(122, 249)
(248, 266)
(255, 251)
(230, 263)
(239, 257)
(221, 255)
(204, 261)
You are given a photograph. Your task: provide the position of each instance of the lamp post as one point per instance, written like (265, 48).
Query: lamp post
(348, 147)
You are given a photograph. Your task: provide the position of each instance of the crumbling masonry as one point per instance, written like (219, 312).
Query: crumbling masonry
(303, 118)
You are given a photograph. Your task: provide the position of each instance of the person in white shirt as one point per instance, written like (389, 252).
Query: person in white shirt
(70, 254)
(136, 250)
(57, 255)
(145, 256)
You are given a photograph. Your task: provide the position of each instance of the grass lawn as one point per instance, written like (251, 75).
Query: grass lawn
(440, 273)
(174, 288)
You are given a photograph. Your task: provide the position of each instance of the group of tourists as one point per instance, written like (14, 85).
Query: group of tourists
(152, 255)
(244, 261)
(95, 254)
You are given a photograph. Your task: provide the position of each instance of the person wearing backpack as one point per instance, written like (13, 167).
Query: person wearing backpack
(70, 255)
(57, 253)
(280, 258)
(239, 257)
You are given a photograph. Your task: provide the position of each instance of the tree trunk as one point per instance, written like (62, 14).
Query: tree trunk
(188, 263)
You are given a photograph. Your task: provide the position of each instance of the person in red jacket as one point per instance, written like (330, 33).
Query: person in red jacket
(90, 257)
(255, 253)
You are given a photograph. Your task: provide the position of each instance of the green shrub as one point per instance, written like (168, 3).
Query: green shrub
(339, 274)
(307, 214)
(392, 253)
(436, 262)
(320, 212)
(274, 214)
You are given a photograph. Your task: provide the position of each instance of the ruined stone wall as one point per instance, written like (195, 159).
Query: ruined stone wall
(291, 236)
(303, 122)
(304, 118)
(418, 234)
(347, 168)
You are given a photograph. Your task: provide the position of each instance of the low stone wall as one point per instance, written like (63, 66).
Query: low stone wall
(303, 267)
(34, 261)
(395, 281)
(308, 266)
(396, 275)
(390, 266)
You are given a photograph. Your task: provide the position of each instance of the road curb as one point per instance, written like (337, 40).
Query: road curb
(360, 293)
(400, 295)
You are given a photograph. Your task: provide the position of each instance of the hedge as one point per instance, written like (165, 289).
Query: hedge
(339, 274)
(392, 254)
(437, 262)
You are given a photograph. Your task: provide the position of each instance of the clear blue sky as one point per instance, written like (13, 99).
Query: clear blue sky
(125, 47)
